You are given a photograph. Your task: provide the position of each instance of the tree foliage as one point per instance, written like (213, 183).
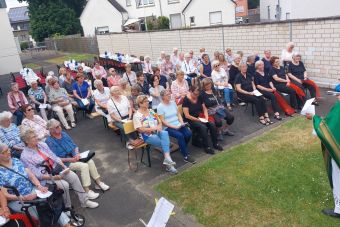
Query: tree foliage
(158, 23)
(252, 4)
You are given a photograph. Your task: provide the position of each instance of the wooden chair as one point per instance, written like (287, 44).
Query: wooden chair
(129, 128)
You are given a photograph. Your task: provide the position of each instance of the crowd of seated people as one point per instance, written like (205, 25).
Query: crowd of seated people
(179, 95)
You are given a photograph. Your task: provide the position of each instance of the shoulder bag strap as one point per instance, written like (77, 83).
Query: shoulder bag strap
(127, 76)
(116, 108)
(81, 95)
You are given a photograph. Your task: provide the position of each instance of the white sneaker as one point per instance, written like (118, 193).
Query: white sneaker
(92, 195)
(67, 127)
(171, 170)
(90, 204)
(168, 162)
(102, 186)
(129, 146)
(73, 125)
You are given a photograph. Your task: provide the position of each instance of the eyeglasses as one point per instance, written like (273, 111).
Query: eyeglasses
(5, 151)
(217, 66)
(29, 109)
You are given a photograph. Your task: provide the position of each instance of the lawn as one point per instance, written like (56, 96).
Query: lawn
(32, 66)
(77, 57)
(276, 179)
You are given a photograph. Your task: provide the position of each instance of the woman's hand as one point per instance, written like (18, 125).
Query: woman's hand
(29, 197)
(5, 212)
(42, 189)
(57, 177)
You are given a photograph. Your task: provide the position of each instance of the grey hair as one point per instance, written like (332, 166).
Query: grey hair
(114, 89)
(5, 115)
(97, 82)
(187, 55)
(26, 133)
(2, 146)
(259, 62)
(215, 63)
(52, 123)
(163, 92)
(295, 54)
(122, 81)
(242, 64)
(50, 73)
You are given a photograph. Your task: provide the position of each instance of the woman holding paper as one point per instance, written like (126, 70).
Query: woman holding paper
(34, 122)
(82, 95)
(196, 114)
(62, 145)
(247, 92)
(36, 154)
(39, 98)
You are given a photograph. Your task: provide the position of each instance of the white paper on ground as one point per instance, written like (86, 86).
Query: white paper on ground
(42, 106)
(257, 93)
(308, 107)
(203, 120)
(161, 214)
(84, 154)
(42, 195)
(85, 101)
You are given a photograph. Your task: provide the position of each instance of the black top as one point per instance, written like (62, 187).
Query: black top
(267, 65)
(233, 72)
(163, 81)
(251, 69)
(194, 108)
(246, 82)
(262, 80)
(279, 72)
(104, 81)
(209, 100)
(144, 88)
(297, 70)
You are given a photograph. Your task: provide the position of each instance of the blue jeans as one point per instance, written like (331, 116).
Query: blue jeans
(161, 139)
(19, 115)
(183, 136)
(87, 108)
(228, 95)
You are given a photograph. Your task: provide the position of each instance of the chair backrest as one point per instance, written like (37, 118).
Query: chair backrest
(128, 127)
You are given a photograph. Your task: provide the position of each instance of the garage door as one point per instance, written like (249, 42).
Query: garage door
(176, 20)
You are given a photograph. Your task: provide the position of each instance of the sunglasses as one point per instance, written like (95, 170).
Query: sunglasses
(29, 109)
(217, 66)
(5, 151)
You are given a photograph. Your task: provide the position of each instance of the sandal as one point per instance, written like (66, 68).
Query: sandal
(229, 108)
(277, 117)
(263, 121)
(268, 120)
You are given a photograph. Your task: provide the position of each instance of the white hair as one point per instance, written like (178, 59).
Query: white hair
(3, 146)
(122, 81)
(26, 133)
(187, 55)
(52, 123)
(97, 73)
(114, 89)
(50, 73)
(5, 115)
(215, 62)
(290, 44)
(259, 62)
(97, 82)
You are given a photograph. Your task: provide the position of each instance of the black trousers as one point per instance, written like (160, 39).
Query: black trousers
(258, 101)
(229, 118)
(271, 97)
(202, 129)
(281, 87)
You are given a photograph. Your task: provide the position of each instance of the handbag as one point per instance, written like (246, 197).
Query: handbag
(54, 167)
(90, 155)
(218, 109)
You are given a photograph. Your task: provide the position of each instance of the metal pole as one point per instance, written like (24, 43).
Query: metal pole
(290, 31)
(223, 45)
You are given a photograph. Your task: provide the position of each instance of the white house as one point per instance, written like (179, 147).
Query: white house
(298, 9)
(9, 56)
(100, 16)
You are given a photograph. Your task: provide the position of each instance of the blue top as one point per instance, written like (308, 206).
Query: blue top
(10, 178)
(63, 148)
(82, 90)
(38, 94)
(170, 113)
(11, 136)
(267, 65)
(207, 69)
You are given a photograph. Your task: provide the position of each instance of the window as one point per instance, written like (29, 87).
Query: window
(215, 18)
(3, 4)
(128, 2)
(141, 3)
(192, 21)
(173, 1)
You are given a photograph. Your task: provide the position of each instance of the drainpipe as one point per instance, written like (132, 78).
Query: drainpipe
(160, 7)
(185, 21)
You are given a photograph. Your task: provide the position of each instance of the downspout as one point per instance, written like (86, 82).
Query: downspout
(185, 21)
(160, 7)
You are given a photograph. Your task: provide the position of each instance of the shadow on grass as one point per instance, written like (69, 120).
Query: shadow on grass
(276, 179)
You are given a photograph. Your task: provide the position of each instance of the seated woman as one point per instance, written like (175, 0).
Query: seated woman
(179, 88)
(216, 111)
(129, 75)
(147, 68)
(245, 88)
(120, 110)
(34, 122)
(97, 76)
(223, 63)
(16, 99)
(234, 70)
(173, 123)
(62, 75)
(167, 68)
(124, 88)
(98, 68)
(60, 102)
(68, 86)
(251, 65)
(189, 68)
(162, 79)
(155, 91)
(282, 83)
(220, 79)
(194, 113)
(113, 78)
(135, 92)
(63, 146)
(299, 76)
(82, 94)
(36, 153)
(205, 67)
(10, 134)
(101, 97)
(144, 86)
(147, 123)
(265, 86)
(24, 181)
(38, 96)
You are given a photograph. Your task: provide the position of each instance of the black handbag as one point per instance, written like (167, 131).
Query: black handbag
(89, 157)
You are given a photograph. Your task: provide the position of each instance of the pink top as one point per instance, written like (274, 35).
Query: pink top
(16, 100)
(38, 125)
(113, 80)
(101, 70)
(178, 90)
(166, 68)
(147, 68)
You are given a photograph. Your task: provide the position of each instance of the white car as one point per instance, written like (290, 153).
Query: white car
(238, 20)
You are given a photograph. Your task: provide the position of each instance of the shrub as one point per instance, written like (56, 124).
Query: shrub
(24, 45)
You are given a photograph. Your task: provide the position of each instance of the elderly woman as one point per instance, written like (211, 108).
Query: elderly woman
(135, 92)
(147, 68)
(62, 75)
(10, 134)
(147, 123)
(125, 89)
(98, 76)
(155, 91)
(16, 99)
(101, 97)
(63, 146)
(196, 114)
(246, 91)
(50, 77)
(205, 67)
(173, 123)
(34, 122)
(180, 61)
(234, 70)
(167, 68)
(113, 78)
(129, 75)
(229, 56)
(98, 68)
(299, 76)
(144, 86)
(216, 111)
(251, 65)
(36, 154)
(24, 181)
(82, 94)
(281, 82)
(221, 81)
(179, 87)
(120, 110)
(189, 68)
(60, 102)
(287, 54)
(38, 96)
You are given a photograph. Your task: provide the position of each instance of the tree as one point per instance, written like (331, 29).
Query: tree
(163, 22)
(252, 4)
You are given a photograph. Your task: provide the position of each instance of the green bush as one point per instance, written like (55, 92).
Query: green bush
(163, 22)
(24, 45)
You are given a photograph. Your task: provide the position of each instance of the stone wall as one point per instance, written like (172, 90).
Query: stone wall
(318, 40)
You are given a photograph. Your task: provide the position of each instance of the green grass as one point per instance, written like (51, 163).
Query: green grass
(276, 179)
(32, 66)
(77, 57)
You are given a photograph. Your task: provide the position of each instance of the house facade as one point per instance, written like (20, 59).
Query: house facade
(116, 15)
(271, 10)
(9, 56)
(19, 20)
